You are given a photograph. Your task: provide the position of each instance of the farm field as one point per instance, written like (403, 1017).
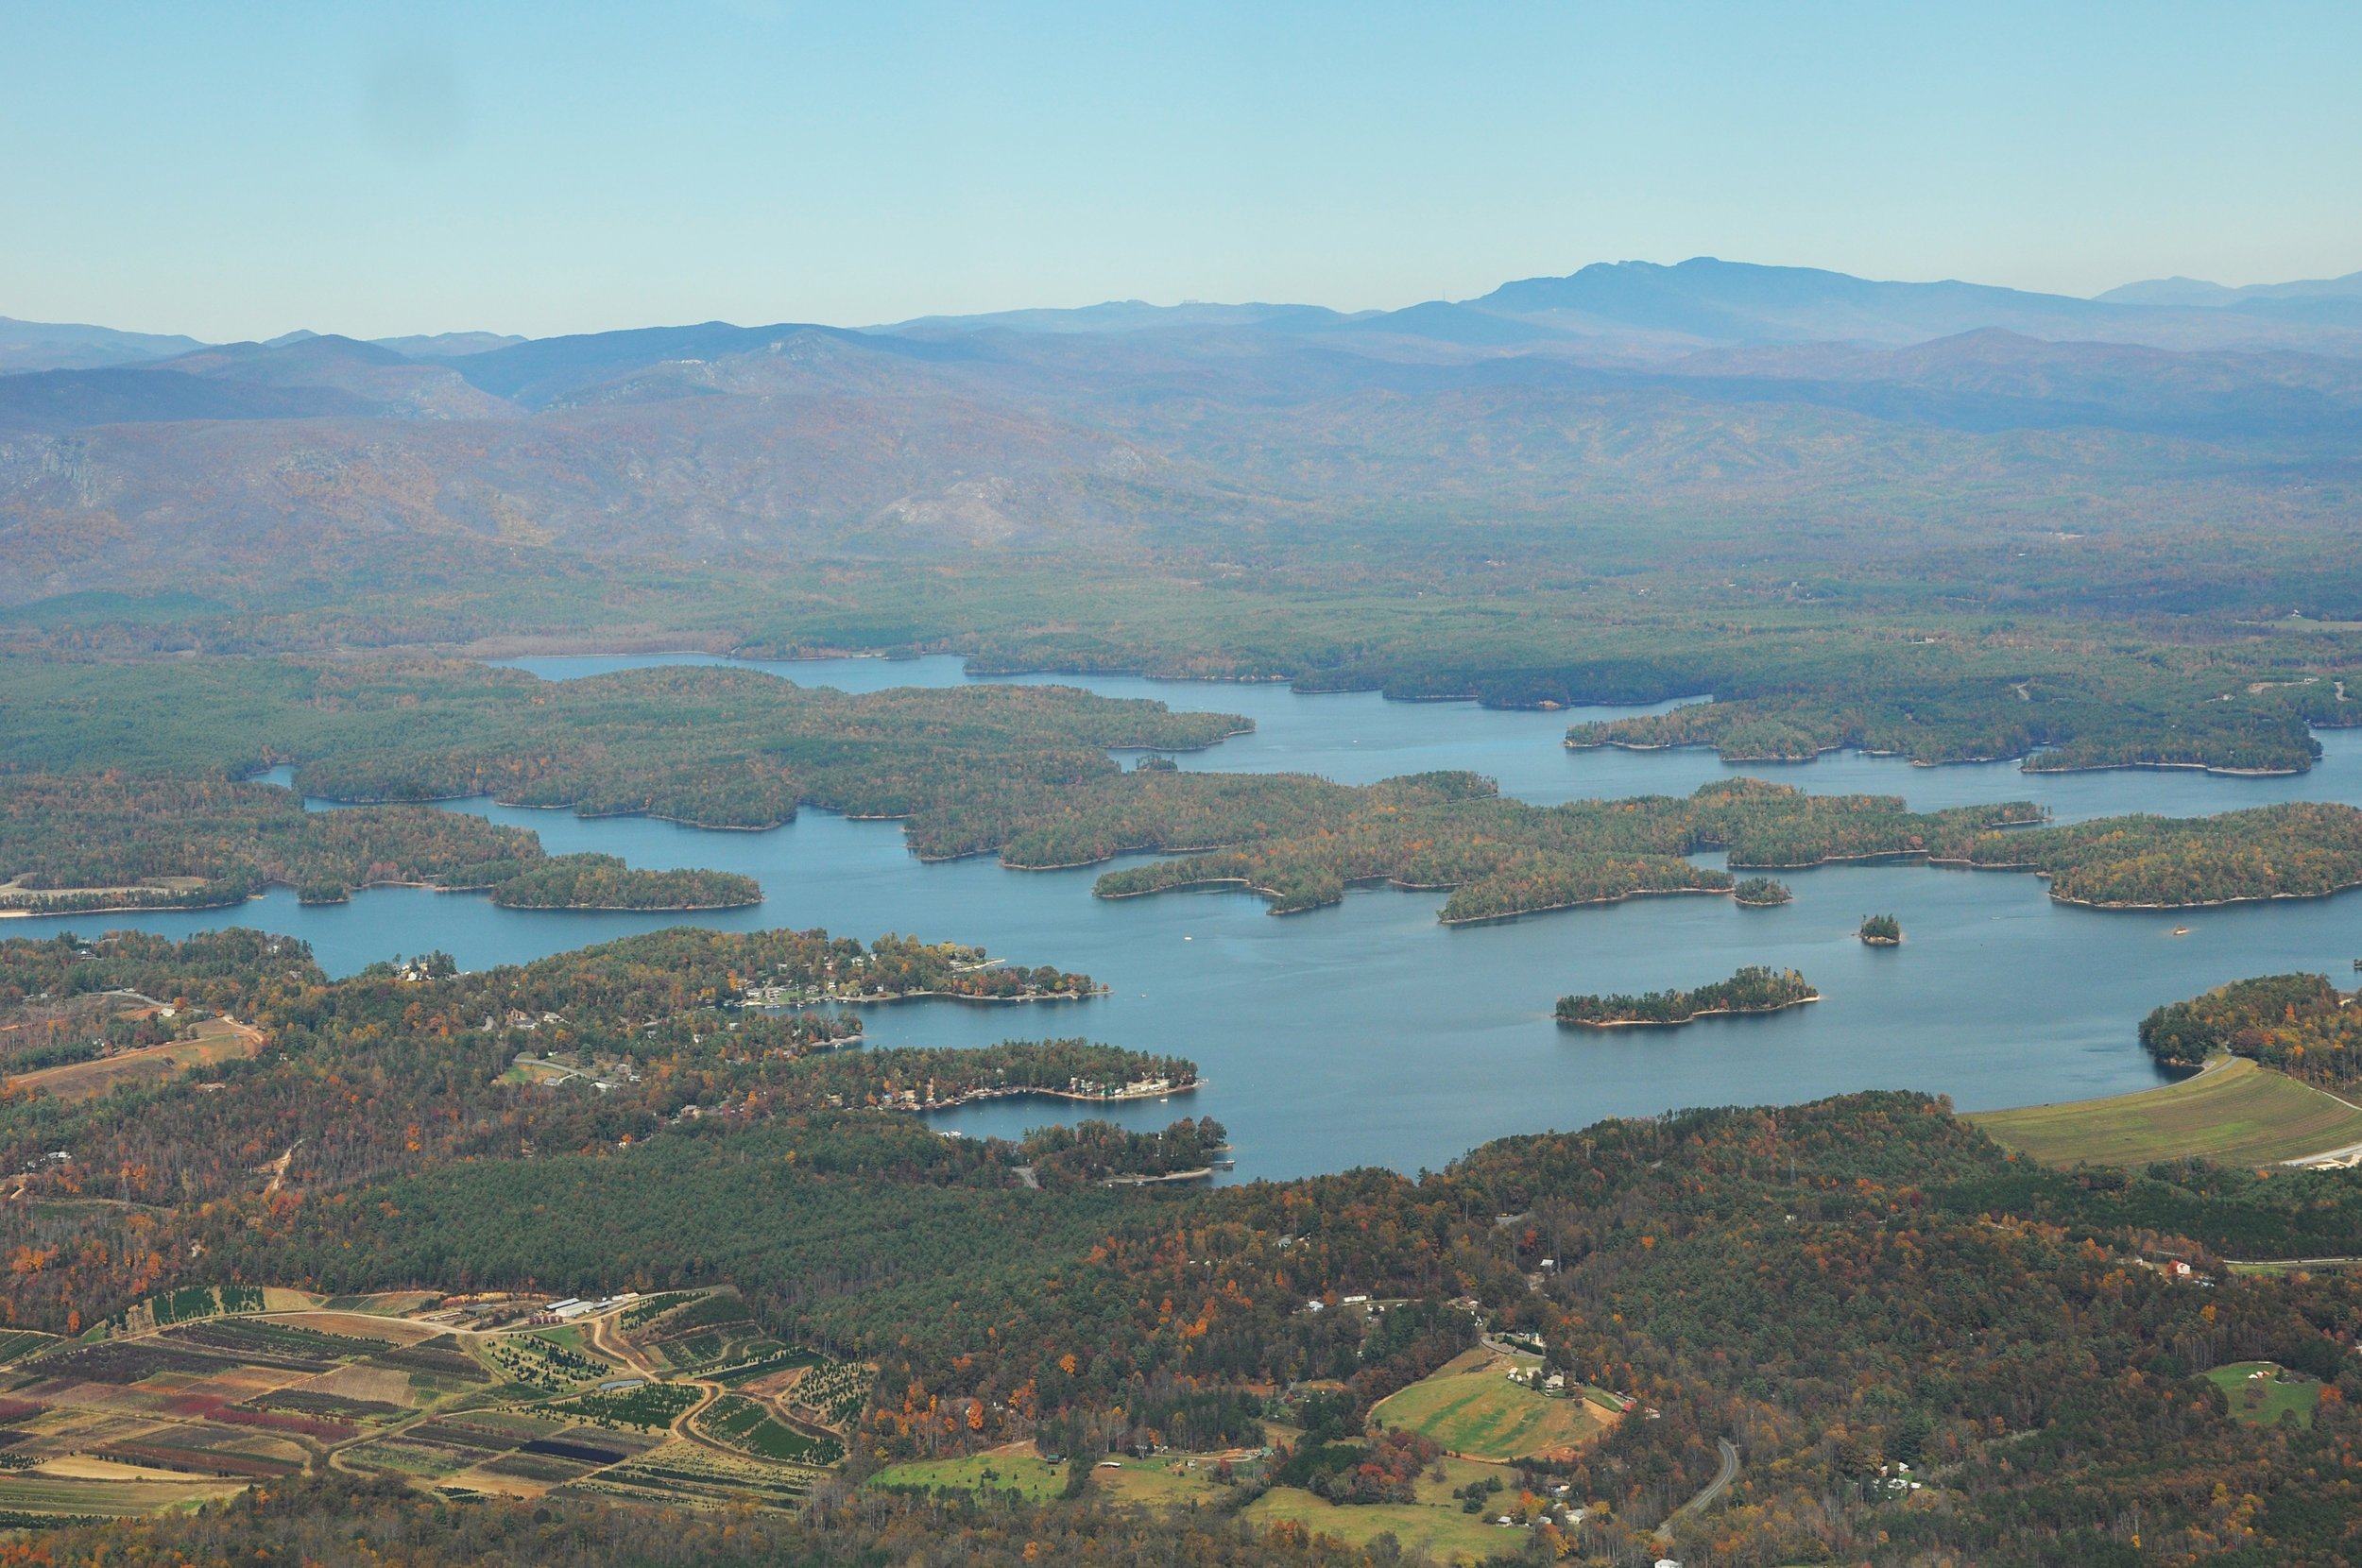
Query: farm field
(2262, 1391)
(678, 1473)
(1165, 1480)
(201, 1391)
(1434, 1523)
(1471, 1408)
(699, 1333)
(751, 1428)
(1012, 1466)
(216, 1040)
(2234, 1112)
(109, 1497)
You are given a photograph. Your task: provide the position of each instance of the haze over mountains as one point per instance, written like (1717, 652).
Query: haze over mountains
(1698, 388)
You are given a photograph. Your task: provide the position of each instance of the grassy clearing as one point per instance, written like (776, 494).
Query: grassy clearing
(1434, 1523)
(2261, 1391)
(1011, 1466)
(1469, 1406)
(1167, 1481)
(2234, 1113)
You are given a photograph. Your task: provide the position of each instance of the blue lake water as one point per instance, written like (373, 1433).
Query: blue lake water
(1369, 1034)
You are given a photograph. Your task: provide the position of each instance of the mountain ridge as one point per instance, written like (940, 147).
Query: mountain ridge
(1698, 302)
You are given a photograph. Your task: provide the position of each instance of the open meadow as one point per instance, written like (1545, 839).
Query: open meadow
(2234, 1112)
(2261, 1393)
(1472, 1408)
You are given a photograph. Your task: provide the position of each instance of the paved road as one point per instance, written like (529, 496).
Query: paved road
(1713, 1488)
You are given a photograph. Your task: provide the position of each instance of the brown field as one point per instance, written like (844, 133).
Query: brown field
(122, 1491)
(216, 1040)
(360, 1325)
(380, 1384)
(2234, 1112)
(81, 1467)
(103, 1396)
(230, 1388)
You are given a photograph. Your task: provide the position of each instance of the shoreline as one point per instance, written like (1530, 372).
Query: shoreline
(1071, 1096)
(1582, 904)
(2024, 758)
(612, 909)
(1204, 1172)
(2057, 898)
(501, 652)
(937, 996)
(18, 912)
(2184, 767)
(1676, 1023)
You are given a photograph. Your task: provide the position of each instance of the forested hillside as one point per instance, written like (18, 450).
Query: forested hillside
(2298, 1024)
(1834, 1287)
(1615, 488)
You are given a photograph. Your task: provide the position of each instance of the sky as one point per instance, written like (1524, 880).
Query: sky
(232, 172)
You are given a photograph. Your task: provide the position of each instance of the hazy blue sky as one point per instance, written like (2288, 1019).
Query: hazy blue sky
(241, 170)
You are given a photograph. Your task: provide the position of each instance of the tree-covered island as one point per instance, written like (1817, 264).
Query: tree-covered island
(1754, 989)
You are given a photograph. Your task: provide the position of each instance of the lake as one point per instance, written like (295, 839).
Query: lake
(1369, 1034)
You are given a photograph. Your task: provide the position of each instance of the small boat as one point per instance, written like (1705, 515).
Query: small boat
(2182, 931)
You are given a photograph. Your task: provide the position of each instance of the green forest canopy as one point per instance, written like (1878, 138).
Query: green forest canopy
(1789, 1275)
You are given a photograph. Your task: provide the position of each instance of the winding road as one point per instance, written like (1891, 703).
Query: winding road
(1714, 1488)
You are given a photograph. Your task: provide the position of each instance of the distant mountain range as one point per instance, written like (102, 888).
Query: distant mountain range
(1709, 388)
(1628, 307)
(1642, 309)
(68, 345)
(2191, 291)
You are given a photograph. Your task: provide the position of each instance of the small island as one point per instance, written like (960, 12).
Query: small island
(1761, 893)
(1754, 989)
(1882, 931)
